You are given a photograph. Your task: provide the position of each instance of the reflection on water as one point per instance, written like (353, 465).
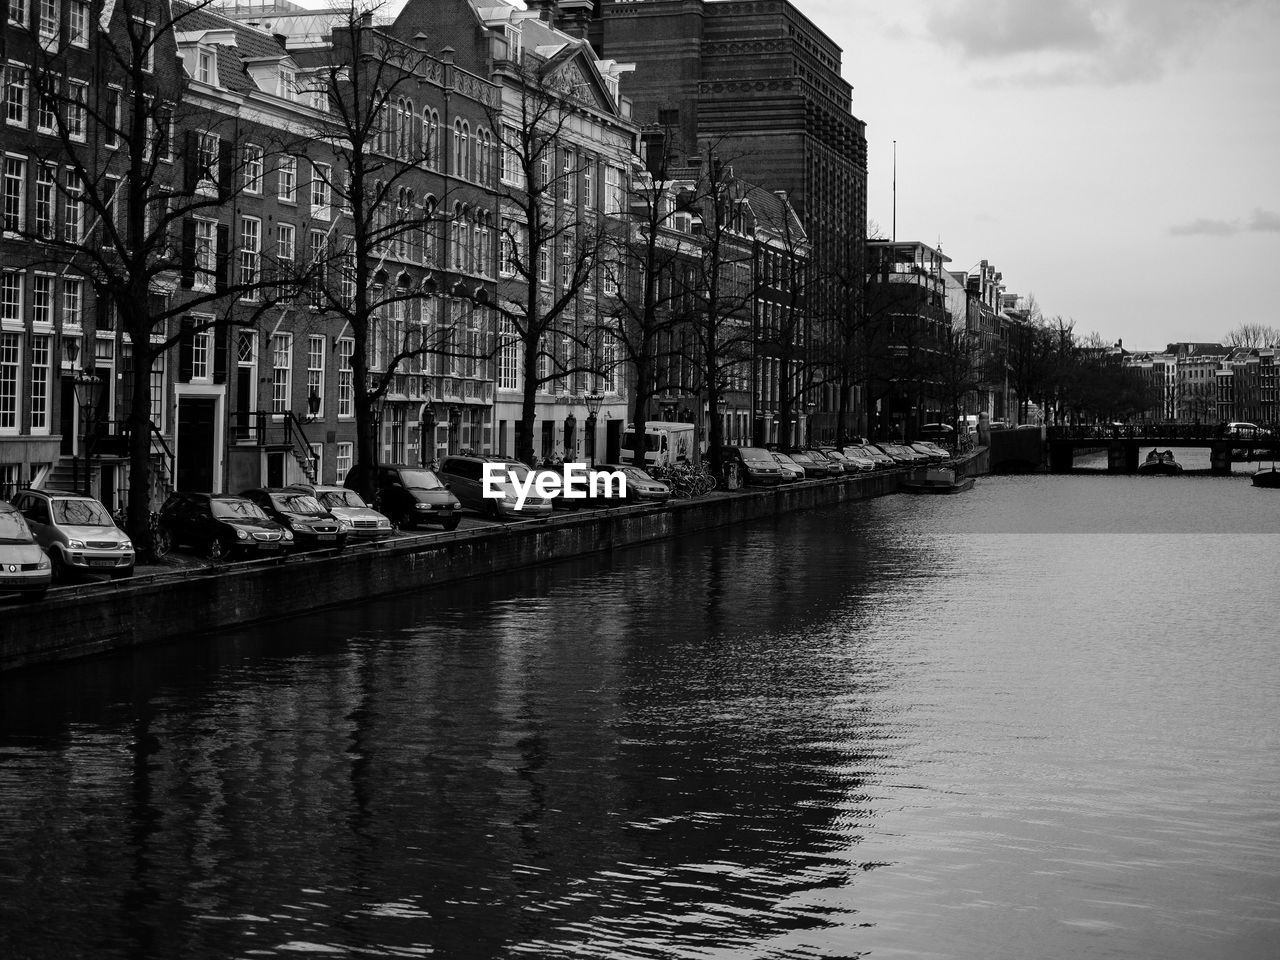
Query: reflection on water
(917, 727)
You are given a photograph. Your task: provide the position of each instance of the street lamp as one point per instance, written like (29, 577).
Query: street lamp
(86, 390)
(570, 438)
(593, 401)
(427, 436)
(313, 406)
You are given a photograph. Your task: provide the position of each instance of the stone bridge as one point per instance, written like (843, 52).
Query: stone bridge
(1122, 444)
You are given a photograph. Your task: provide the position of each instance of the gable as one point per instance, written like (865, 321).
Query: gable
(572, 71)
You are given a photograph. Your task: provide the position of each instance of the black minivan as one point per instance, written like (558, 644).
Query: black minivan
(412, 496)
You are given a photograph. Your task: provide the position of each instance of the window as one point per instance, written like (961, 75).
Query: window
(287, 85)
(200, 350)
(15, 197)
(111, 119)
(568, 174)
(208, 148)
(612, 189)
(251, 172)
(317, 256)
(321, 191)
(431, 138)
(346, 386)
(11, 296)
(46, 183)
(10, 354)
(460, 138)
(42, 299)
(77, 22)
(206, 253)
(46, 114)
(39, 400)
(144, 34)
(72, 302)
(509, 244)
(509, 358)
(315, 370)
(566, 266)
(18, 12)
(281, 362)
(207, 66)
(285, 235)
(342, 460)
(544, 263)
(250, 255)
(511, 169)
(48, 20)
(77, 97)
(16, 93)
(288, 182)
(588, 183)
(73, 209)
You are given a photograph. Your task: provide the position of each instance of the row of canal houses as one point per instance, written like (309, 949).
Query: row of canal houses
(185, 203)
(1205, 382)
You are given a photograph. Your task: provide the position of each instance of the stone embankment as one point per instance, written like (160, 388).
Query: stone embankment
(97, 618)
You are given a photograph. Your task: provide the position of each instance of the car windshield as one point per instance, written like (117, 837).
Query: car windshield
(236, 510)
(342, 498)
(635, 473)
(517, 470)
(420, 480)
(81, 513)
(13, 528)
(754, 453)
(299, 503)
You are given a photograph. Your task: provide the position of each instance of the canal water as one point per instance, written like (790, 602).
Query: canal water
(1040, 719)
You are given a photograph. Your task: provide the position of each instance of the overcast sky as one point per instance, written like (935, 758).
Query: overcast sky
(1120, 159)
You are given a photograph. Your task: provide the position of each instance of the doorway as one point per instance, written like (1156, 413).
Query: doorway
(197, 432)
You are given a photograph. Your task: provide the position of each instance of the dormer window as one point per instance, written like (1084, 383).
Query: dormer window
(207, 65)
(288, 84)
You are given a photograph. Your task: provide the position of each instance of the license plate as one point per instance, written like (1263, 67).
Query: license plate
(327, 536)
(102, 563)
(269, 545)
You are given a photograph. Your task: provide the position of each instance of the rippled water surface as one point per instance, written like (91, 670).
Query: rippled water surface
(1041, 719)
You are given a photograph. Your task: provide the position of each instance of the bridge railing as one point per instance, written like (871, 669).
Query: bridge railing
(1152, 431)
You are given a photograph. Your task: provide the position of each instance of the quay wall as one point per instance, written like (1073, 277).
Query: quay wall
(98, 618)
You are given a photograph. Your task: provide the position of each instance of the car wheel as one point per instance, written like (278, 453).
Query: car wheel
(216, 550)
(452, 524)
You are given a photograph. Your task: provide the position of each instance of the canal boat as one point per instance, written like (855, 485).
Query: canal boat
(938, 480)
(1159, 464)
(1267, 477)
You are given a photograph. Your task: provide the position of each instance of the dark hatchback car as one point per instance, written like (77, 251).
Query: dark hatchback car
(222, 526)
(313, 527)
(755, 465)
(412, 496)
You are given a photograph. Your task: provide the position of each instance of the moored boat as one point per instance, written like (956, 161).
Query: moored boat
(1267, 477)
(938, 480)
(1159, 464)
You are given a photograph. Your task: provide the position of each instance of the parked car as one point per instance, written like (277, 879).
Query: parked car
(77, 533)
(412, 496)
(835, 468)
(791, 471)
(931, 453)
(313, 527)
(755, 465)
(815, 468)
(641, 488)
(465, 477)
(942, 452)
(1244, 431)
(851, 461)
(901, 454)
(222, 526)
(875, 455)
(362, 521)
(937, 431)
(24, 567)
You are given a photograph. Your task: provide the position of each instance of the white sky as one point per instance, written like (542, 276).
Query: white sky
(1120, 159)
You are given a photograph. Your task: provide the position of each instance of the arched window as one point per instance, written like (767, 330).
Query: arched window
(430, 138)
(465, 167)
(382, 123)
(485, 150)
(457, 231)
(459, 150)
(429, 230)
(405, 135)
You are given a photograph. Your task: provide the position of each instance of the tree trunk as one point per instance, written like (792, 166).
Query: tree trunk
(139, 427)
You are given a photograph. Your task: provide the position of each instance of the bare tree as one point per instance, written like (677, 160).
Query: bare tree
(555, 246)
(130, 164)
(374, 269)
(1253, 335)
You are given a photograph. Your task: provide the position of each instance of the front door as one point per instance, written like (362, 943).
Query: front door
(196, 435)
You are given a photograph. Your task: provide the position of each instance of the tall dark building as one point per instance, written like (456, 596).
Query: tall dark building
(759, 83)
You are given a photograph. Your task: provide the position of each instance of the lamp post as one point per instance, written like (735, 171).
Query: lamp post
(313, 406)
(86, 390)
(570, 438)
(593, 401)
(427, 436)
